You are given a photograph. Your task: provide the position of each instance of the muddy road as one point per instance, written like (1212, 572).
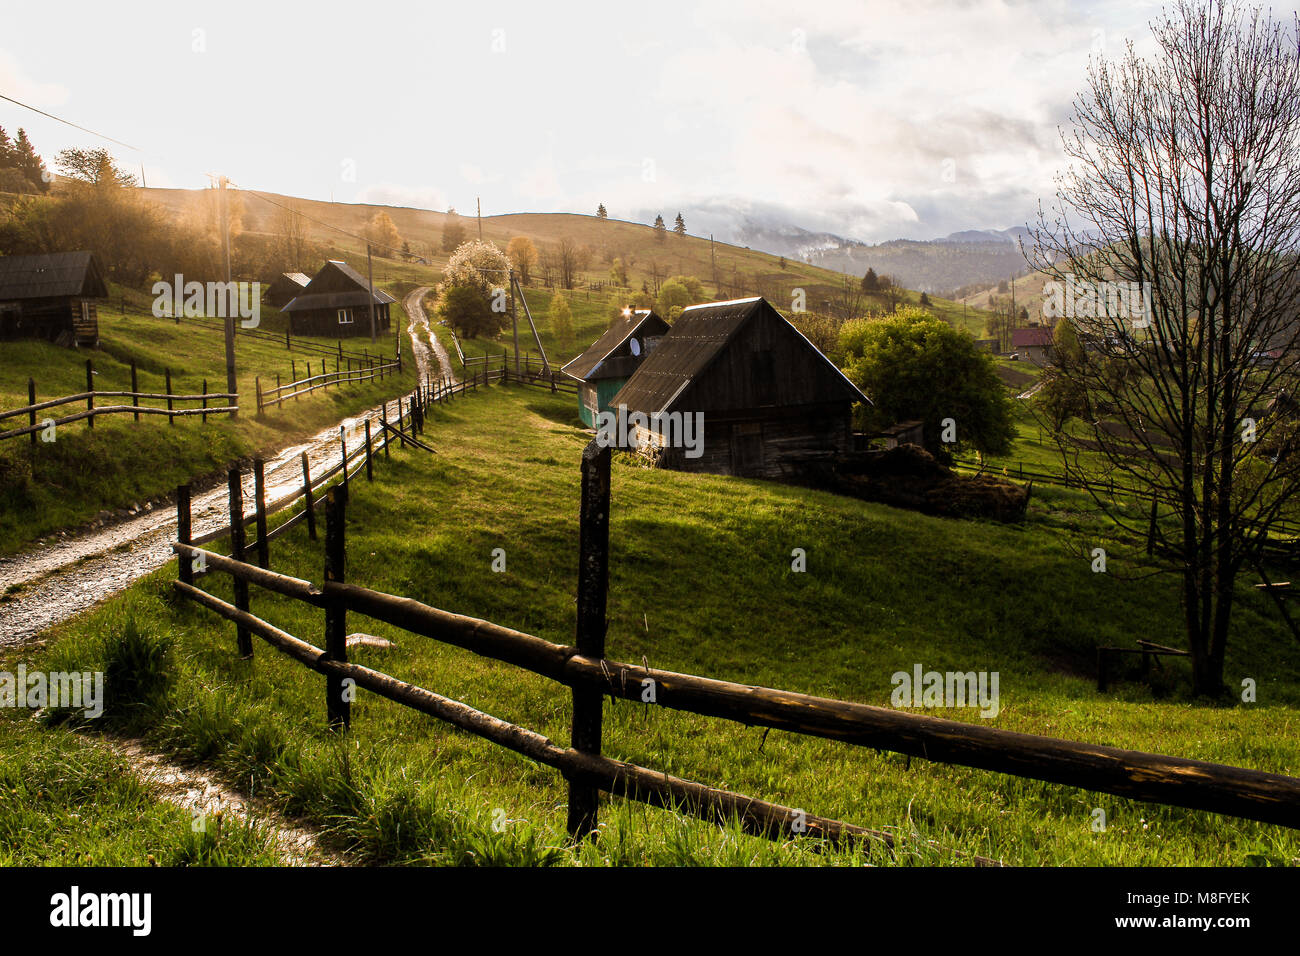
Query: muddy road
(55, 581)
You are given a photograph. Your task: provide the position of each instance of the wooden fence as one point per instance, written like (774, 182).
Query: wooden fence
(589, 675)
(531, 370)
(366, 371)
(93, 410)
(266, 335)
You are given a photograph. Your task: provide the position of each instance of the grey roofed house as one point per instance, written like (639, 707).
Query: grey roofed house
(284, 288)
(610, 361)
(51, 295)
(769, 400)
(337, 302)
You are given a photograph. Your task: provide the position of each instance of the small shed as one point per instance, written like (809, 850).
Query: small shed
(337, 303)
(51, 296)
(610, 361)
(284, 288)
(769, 401)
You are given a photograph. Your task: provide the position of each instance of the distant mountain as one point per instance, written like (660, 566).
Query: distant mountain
(971, 258)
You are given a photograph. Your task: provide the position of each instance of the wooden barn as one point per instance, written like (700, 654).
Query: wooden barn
(51, 296)
(336, 303)
(769, 400)
(285, 288)
(605, 367)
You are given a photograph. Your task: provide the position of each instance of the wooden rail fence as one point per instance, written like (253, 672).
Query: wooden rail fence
(584, 668)
(93, 410)
(341, 375)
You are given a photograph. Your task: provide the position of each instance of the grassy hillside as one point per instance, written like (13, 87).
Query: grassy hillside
(726, 270)
(701, 581)
(46, 487)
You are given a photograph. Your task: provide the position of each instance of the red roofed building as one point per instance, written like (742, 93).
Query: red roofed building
(1033, 344)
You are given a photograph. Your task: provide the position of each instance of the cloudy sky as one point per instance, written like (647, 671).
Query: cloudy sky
(875, 119)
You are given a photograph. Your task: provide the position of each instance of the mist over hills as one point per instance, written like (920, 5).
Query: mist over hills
(958, 261)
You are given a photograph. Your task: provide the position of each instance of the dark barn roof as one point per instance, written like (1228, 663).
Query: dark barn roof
(51, 275)
(591, 363)
(336, 286)
(698, 337)
(285, 286)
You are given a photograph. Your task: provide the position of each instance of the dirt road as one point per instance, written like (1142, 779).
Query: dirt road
(419, 321)
(53, 582)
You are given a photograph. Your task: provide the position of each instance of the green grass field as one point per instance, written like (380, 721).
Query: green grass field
(701, 582)
(65, 801)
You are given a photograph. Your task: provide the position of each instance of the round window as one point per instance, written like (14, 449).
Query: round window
(635, 346)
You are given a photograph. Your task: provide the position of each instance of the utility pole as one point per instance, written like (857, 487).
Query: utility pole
(479, 203)
(514, 318)
(232, 386)
(370, 278)
(714, 263)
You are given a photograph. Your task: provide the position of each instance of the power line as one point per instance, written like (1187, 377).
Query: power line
(60, 119)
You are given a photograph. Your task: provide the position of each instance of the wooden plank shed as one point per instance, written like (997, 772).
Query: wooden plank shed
(610, 361)
(337, 303)
(51, 296)
(284, 288)
(768, 398)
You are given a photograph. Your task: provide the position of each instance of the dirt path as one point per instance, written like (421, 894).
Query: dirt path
(205, 798)
(419, 321)
(51, 583)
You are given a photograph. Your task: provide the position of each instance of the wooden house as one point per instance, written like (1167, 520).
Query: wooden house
(336, 303)
(610, 361)
(51, 296)
(1034, 344)
(768, 400)
(284, 288)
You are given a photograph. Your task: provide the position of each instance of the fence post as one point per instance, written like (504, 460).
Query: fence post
(259, 490)
(279, 395)
(257, 383)
(593, 581)
(31, 401)
(135, 387)
(185, 562)
(370, 472)
(171, 419)
(343, 444)
(307, 498)
(90, 398)
(243, 639)
(293, 375)
(337, 707)
(383, 418)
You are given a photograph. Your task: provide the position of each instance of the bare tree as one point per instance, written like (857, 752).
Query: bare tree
(1184, 192)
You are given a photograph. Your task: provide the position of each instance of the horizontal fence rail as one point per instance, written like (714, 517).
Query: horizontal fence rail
(584, 668)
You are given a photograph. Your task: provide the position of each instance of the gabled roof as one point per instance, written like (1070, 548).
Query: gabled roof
(696, 339)
(51, 275)
(641, 321)
(296, 278)
(336, 286)
(1036, 337)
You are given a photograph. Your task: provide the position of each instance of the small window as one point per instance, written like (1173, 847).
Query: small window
(635, 346)
(345, 316)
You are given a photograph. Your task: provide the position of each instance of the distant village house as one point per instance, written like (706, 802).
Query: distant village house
(51, 296)
(336, 303)
(605, 367)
